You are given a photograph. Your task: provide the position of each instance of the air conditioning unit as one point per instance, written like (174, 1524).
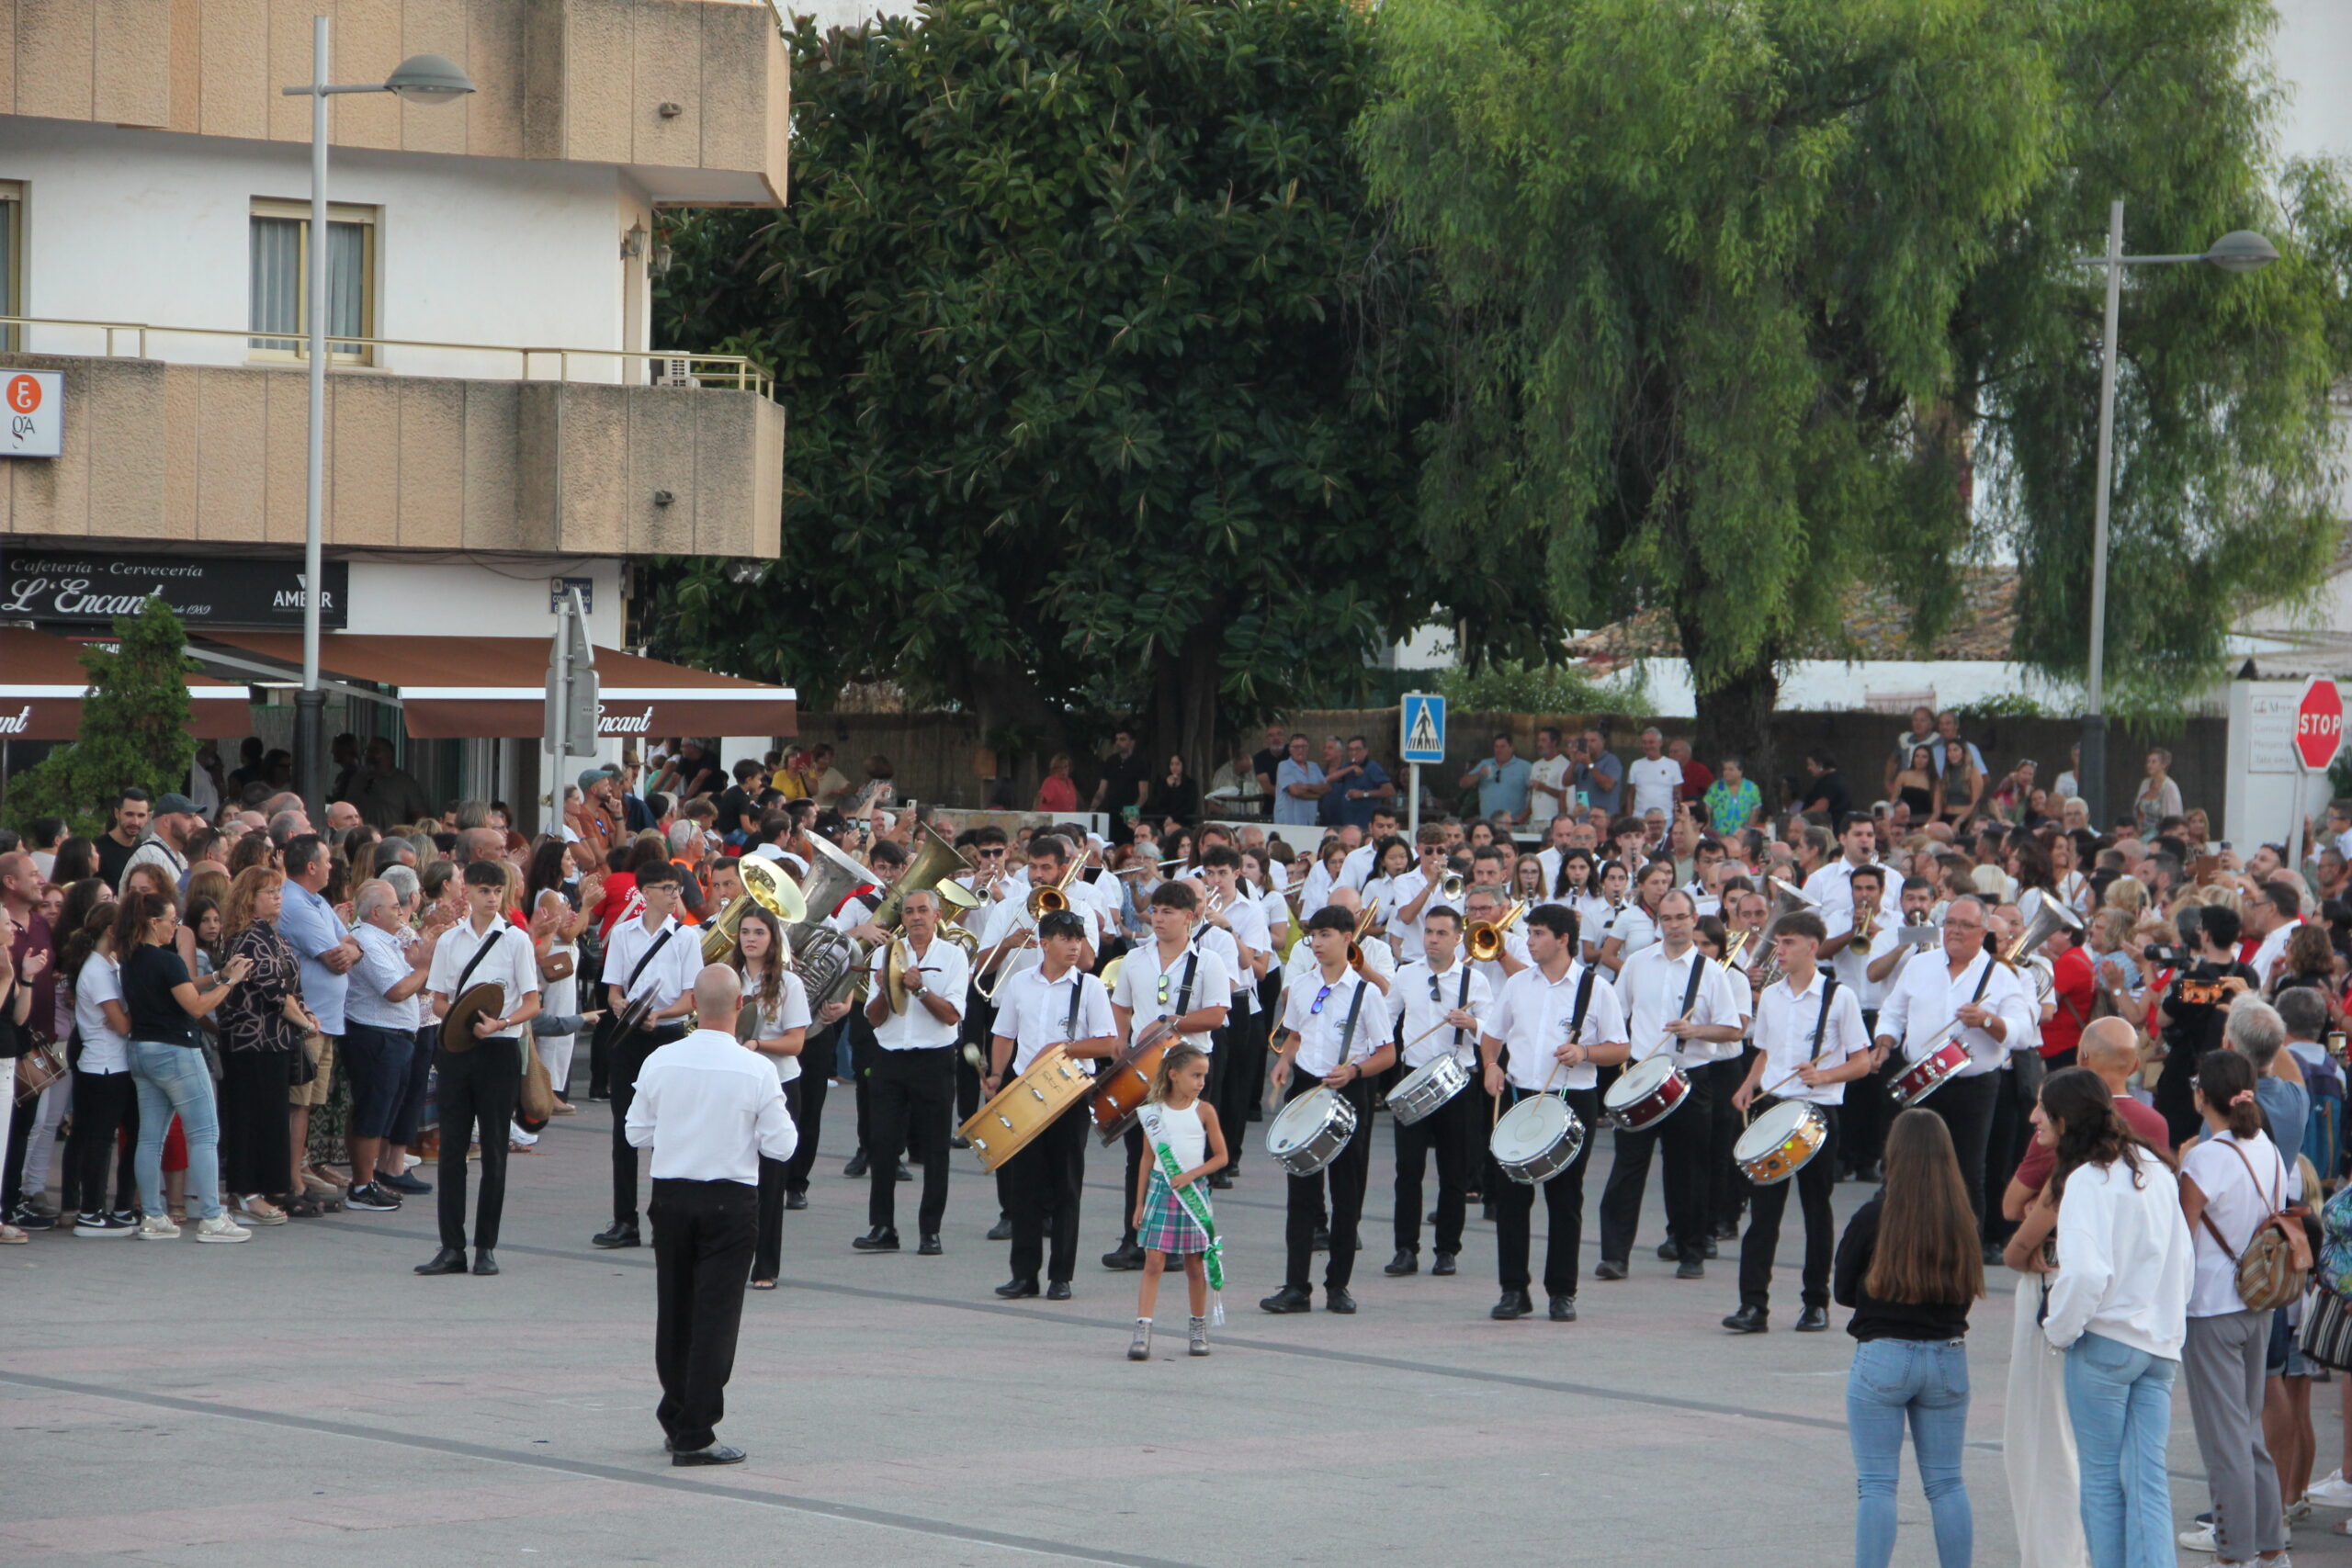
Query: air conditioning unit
(675, 371)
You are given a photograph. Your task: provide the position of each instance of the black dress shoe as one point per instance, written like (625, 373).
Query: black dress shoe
(1430, 1218)
(1747, 1320)
(1728, 1231)
(1336, 1299)
(1608, 1269)
(1668, 1250)
(620, 1232)
(485, 1262)
(448, 1260)
(1442, 1264)
(929, 1247)
(856, 1166)
(878, 1239)
(1013, 1290)
(1514, 1305)
(1690, 1268)
(957, 1141)
(1000, 1230)
(717, 1453)
(1407, 1261)
(904, 1174)
(796, 1199)
(1220, 1181)
(1057, 1289)
(1290, 1298)
(1321, 1240)
(1813, 1320)
(1709, 1249)
(1122, 1258)
(1564, 1309)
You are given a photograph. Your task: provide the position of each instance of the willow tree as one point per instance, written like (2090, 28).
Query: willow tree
(1736, 290)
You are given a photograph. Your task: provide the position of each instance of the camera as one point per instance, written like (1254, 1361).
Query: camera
(2162, 953)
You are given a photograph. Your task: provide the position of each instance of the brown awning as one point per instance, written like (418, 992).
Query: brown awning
(42, 681)
(458, 688)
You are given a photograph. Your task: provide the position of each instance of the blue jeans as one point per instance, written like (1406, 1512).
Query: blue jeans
(2119, 1400)
(172, 1080)
(1928, 1382)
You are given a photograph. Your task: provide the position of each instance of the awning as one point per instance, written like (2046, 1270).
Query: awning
(41, 682)
(460, 688)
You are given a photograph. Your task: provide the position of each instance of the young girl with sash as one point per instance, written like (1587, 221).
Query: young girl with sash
(1183, 1144)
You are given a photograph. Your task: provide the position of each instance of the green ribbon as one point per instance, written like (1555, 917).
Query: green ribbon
(1195, 1207)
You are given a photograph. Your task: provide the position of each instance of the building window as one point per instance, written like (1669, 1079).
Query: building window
(281, 276)
(12, 260)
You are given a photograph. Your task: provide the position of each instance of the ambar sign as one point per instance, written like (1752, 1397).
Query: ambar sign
(52, 587)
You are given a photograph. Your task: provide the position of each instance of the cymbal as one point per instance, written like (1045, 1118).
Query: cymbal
(458, 1027)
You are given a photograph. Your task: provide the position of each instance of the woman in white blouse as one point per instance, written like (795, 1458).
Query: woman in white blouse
(775, 1022)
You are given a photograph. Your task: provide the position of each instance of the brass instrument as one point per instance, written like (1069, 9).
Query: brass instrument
(1450, 887)
(2045, 917)
(1735, 949)
(1486, 937)
(1044, 901)
(765, 884)
(936, 866)
(1788, 897)
(1364, 922)
(826, 961)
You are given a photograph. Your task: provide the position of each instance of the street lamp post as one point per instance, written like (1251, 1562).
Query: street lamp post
(2241, 249)
(420, 78)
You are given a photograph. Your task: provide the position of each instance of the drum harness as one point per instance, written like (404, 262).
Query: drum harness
(1576, 1037)
(1821, 1021)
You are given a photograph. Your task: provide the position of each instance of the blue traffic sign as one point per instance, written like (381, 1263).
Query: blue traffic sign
(1424, 728)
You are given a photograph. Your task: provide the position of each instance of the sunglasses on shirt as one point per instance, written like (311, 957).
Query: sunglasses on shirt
(1321, 997)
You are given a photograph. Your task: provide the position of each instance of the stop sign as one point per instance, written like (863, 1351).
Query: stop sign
(2319, 725)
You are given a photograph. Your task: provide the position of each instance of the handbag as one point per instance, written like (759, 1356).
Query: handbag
(39, 1067)
(2327, 1330)
(534, 1104)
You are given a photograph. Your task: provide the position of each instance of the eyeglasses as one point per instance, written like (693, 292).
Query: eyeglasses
(1321, 997)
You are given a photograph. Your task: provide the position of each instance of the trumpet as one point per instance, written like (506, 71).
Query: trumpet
(1450, 887)
(1486, 937)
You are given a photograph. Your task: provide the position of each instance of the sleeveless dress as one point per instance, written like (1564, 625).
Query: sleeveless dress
(1167, 1228)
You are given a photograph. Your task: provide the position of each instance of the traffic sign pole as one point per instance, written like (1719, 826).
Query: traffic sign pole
(1420, 723)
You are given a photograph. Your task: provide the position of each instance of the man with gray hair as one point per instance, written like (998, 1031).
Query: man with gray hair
(2254, 1031)
(383, 1008)
(1655, 778)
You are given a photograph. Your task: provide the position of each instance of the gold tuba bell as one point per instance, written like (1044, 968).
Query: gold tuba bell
(765, 885)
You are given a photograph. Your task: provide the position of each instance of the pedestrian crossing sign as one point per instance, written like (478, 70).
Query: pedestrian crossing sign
(1424, 728)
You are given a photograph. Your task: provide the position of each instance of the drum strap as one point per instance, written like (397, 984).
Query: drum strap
(1462, 1002)
(1184, 988)
(1348, 1029)
(497, 934)
(1077, 990)
(659, 943)
(1821, 1020)
(1584, 1001)
(1690, 991)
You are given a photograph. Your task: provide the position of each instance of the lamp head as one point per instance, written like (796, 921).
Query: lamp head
(2241, 250)
(429, 79)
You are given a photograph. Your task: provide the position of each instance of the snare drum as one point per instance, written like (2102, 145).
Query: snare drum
(1536, 1139)
(1427, 1088)
(1645, 1094)
(1926, 1074)
(1310, 1132)
(1777, 1143)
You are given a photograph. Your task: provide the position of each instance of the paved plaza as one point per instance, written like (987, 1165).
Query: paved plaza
(305, 1399)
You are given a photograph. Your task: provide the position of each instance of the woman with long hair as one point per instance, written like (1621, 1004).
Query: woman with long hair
(1910, 1265)
(773, 1023)
(1959, 788)
(76, 858)
(1914, 784)
(2119, 1308)
(1612, 886)
(105, 1097)
(262, 1029)
(2158, 796)
(1527, 882)
(1572, 880)
(2230, 1182)
(167, 1065)
(1636, 926)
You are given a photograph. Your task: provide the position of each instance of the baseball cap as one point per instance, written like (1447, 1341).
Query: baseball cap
(176, 806)
(592, 777)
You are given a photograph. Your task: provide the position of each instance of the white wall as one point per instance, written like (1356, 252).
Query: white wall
(488, 597)
(150, 227)
(2266, 793)
(1826, 685)
(2312, 51)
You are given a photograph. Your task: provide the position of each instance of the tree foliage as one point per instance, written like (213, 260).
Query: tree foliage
(1743, 296)
(135, 729)
(1100, 368)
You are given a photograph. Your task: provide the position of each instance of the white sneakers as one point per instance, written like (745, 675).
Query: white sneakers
(2333, 1493)
(221, 1227)
(158, 1227)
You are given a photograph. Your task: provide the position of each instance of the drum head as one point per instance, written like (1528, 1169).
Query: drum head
(1639, 1079)
(1529, 1128)
(1299, 1120)
(1770, 1128)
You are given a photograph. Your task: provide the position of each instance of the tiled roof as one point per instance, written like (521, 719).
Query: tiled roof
(1877, 626)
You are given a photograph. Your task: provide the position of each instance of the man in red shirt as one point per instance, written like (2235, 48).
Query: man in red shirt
(2111, 1048)
(1696, 775)
(2075, 985)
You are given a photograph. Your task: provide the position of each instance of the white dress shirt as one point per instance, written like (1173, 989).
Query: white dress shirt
(1784, 1025)
(1851, 963)
(1322, 1029)
(708, 1109)
(1534, 1016)
(511, 965)
(946, 972)
(1138, 990)
(1035, 1012)
(1301, 963)
(1636, 929)
(1650, 989)
(1926, 997)
(1413, 1012)
(2265, 962)
(1247, 920)
(790, 1012)
(668, 975)
(1833, 884)
(1012, 917)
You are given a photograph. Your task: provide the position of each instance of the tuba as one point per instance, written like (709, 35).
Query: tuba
(2045, 917)
(825, 960)
(765, 885)
(936, 866)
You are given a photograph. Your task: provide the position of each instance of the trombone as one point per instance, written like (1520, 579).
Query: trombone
(1486, 937)
(1044, 901)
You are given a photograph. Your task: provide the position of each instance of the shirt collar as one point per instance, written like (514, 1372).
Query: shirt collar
(1820, 979)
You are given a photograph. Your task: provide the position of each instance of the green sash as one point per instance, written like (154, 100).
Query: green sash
(1195, 1208)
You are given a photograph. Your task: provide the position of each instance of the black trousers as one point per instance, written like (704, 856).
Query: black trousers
(1683, 1141)
(1443, 1134)
(767, 1254)
(863, 1051)
(1966, 1106)
(1765, 1206)
(20, 1127)
(1563, 1207)
(702, 1242)
(628, 1058)
(1347, 1175)
(809, 1112)
(1041, 1188)
(1868, 1107)
(910, 1096)
(478, 1090)
(102, 1103)
(600, 1055)
(1236, 1077)
(1726, 1188)
(256, 1140)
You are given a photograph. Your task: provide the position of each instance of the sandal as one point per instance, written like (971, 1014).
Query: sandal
(301, 1206)
(261, 1211)
(179, 1216)
(763, 1284)
(11, 1237)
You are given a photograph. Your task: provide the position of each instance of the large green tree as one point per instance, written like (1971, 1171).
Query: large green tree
(1101, 369)
(135, 729)
(1744, 298)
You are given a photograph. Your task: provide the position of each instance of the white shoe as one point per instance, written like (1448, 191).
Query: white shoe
(261, 1211)
(221, 1227)
(2333, 1493)
(2301, 1508)
(158, 1227)
(2199, 1539)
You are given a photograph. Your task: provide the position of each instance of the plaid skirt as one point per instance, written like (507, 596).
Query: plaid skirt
(1166, 1227)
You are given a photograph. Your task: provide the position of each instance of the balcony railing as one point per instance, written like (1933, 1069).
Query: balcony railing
(733, 371)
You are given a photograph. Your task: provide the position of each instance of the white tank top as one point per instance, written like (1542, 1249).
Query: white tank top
(1183, 1133)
